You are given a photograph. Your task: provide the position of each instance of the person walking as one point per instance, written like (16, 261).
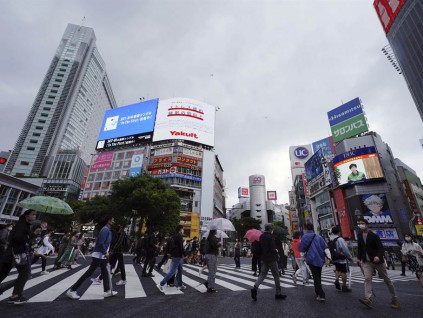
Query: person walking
(16, 255)
(203, 251)
(256, 259)
(151, 247)
(42, 251)
(414, 254)
(177, 253)
(139, 251)
(237, 254)
(299, 260)
(119, 245)
(99, 258)
(212, 250)
(166, 251)
(4, 238)
(315, 250)
(370, 257)
(269, 260)
(62, 247)
(403, 258)
(339, 258)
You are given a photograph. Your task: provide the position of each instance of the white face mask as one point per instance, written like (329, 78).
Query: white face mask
(10, 228)
(408, 239)
(362, 226)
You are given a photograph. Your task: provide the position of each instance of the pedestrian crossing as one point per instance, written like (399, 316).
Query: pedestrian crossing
(52, 287)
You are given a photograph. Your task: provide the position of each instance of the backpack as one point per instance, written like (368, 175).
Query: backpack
(335, 254)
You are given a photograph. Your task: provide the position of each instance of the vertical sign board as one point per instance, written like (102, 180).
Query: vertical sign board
(342, 213)
(387, 11)
(136, 163)
(272, 196)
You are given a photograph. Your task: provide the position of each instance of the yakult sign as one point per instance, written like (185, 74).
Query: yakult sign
(184, 118)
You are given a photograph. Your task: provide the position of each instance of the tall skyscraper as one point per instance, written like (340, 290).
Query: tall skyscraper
(402, 21)
(61, 129)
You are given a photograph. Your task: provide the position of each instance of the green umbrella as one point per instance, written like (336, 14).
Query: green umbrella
(48, 205)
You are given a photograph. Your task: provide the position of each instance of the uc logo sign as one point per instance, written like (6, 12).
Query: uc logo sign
(301, 153)
(137, 158)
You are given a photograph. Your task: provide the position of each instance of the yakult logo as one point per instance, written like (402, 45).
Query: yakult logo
(301, 153)
(183, 133)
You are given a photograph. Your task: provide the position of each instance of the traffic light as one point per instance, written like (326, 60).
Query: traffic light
(3, 161)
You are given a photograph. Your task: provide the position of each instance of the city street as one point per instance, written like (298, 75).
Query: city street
(141, 297)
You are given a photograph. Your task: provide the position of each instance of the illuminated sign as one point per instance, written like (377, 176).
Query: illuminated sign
(101, 161)
(3, 161)
(272, 196)
(184, 118)
(128, 125)
(187, 160)
(243, 192)
(355, 166)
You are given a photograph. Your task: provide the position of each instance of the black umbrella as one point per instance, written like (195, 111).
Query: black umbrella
(277, 230)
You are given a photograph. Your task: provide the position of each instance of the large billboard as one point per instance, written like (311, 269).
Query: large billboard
(326, 144)
(387, 11)
(347, 120)
(375, 209)
(128, 125)
(136, 163)
(101, 161)
(317, 172)
(187, 119)
(355, 166)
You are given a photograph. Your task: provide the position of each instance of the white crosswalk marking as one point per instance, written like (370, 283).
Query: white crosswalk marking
(167, 290)
(14, 274)
(93, 292)
(54, 291)
(217, 281)
(133, 287)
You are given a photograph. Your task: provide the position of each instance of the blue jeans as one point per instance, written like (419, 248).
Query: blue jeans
(176, 265)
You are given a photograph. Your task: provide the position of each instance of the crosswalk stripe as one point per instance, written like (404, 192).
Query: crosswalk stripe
(94, 292)
(54, 291)
(15, 274)
(237, 279)
(217, 281)
(133, 287)
(167, 290)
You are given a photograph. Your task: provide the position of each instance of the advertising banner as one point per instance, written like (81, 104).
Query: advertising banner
(386, 234)
(176, 175)
(163, 151)
(298, 155)
(128, 125)
(349, 128)
(344, 221)
(272, 196)
(355, 166)
(345, 112)
(160, 160)
(326, 144)
(419, 229)
(190, 152)
(187, 160)
(101, 161)
(375, 209)
(318, 172)
(136, 163)
(243, 192)
(295, 221)
(187, 119)
(387, 11)
(305, 184)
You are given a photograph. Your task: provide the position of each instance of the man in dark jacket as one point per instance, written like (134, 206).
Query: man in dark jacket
(269, 258)
(177, 253)
(150, 256)
(212, 250)
(370, 255)
(256, 260)
(18, 246)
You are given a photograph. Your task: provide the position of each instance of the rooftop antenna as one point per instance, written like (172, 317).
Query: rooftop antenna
(82, 23)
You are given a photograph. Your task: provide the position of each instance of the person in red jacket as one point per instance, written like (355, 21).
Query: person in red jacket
(302, 268)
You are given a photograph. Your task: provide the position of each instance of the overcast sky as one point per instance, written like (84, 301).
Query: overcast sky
(278, 67)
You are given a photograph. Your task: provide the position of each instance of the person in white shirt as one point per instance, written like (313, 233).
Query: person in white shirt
(43, 250)
(414, 255)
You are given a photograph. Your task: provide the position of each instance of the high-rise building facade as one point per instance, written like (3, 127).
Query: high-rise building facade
(66, 115)
(402, 21)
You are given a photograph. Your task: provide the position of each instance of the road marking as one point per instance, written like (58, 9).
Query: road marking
(167, 290)
(14, 276)
(218, 281)
(133, 287)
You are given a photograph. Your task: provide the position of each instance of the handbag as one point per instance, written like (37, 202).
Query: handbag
(404, 259)
(167, 266)
(19, 259)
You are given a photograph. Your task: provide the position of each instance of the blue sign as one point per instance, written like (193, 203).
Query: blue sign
(177, 175)
(131, 120)
(345, 112)
(324, 144)
(301, 153)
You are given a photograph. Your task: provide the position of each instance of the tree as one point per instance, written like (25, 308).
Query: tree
(149, 199)
(244, 224)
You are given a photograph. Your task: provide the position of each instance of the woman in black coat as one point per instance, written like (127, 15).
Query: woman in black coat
(18, 245)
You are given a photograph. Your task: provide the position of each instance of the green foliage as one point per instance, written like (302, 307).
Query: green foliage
(244, 224)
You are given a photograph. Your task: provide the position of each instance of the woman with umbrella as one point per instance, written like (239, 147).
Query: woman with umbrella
(16, 255)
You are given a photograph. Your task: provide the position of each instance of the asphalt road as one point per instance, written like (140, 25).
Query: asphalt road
(48, 299)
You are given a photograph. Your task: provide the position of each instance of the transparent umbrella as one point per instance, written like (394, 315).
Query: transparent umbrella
(46, 204)
(221, 224)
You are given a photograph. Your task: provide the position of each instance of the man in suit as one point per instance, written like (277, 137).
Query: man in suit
(370, 257)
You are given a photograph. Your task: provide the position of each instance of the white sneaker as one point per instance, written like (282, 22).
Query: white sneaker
(96, 281)
(110, 293)
(161, 288)
(44, 273)
(121, 282)
(181, 287)
(294, 278)
(200, 271)
(72, 294)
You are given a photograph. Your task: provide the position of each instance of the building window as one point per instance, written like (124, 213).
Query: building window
(49, 102)
(51, 96)
(60, 75)
(53, 91)
(33, 141)
(24, 163)
(46, 108)
(36, 134)
(63, 64)
(62, 70)
(56, 85)
(58, 80)
(39, 127)
(44, 115)
(41, 121)
(66, 60)
(30, 148)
